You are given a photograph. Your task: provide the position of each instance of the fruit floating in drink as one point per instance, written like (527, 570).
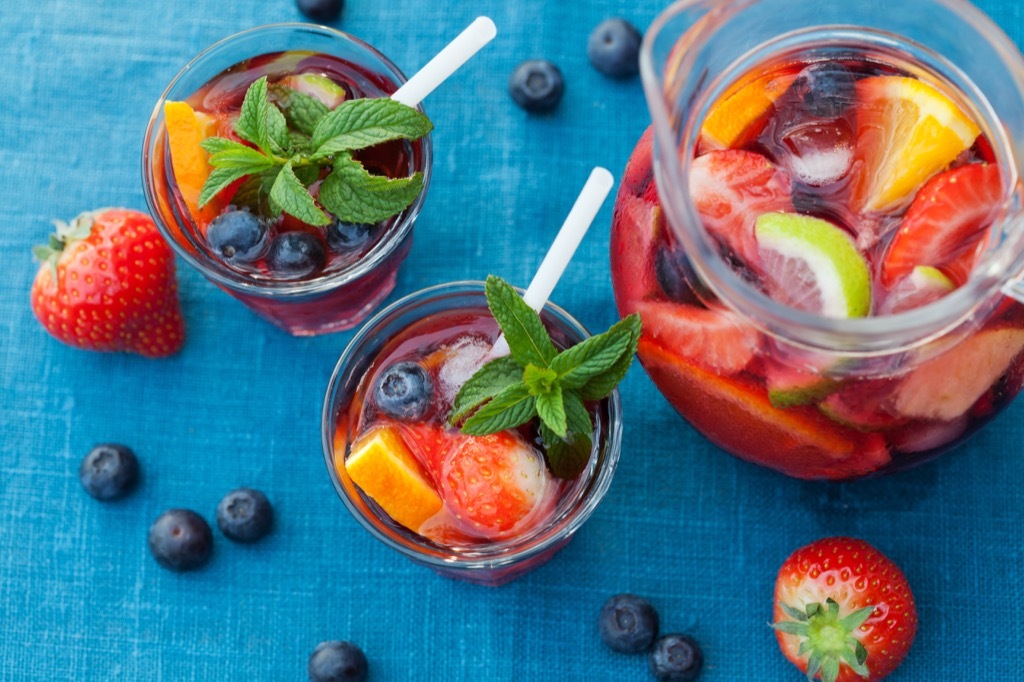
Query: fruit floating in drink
(480, 467)
(849, 188)
(289, 177)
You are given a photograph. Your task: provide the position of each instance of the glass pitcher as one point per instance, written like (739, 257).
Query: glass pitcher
(772, 118)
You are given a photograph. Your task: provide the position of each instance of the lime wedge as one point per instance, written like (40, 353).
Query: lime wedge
(923, 285)
(810, 264)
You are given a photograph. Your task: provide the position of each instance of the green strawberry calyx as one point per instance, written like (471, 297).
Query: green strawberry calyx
(828, 638)
(65, 233)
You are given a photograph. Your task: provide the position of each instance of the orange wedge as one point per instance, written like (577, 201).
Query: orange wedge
(907, 131)
(741, 113)
(384, 468)
(185, 130)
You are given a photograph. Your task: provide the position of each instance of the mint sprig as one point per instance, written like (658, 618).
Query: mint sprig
(295, 140)
(536, 380)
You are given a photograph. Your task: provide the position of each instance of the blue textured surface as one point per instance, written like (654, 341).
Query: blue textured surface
(699, 533)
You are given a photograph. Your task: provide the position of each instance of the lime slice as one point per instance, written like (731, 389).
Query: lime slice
(810, 264)
(923, 285)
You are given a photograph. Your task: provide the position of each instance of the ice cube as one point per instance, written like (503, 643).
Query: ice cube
(820, 152)
(463, 359)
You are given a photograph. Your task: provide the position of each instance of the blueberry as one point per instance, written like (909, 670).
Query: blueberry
(536, 85)
(237, 236)
(180, 540)
(337, 662)
(245, 515)
(296, 254)
(628, 623)
(825, 89)
(675, 658)
(345, 237)
(321, 10)
(404, 391)
(109, 471)
(614, 48)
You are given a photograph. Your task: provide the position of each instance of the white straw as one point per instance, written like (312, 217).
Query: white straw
(447, 61)
(576, 224)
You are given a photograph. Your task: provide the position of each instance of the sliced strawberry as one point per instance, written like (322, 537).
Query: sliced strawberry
(636, 229)
(947, 219)
(730, 189)
(497, 485)
(712, 337)
(430, 444)
(736, 415)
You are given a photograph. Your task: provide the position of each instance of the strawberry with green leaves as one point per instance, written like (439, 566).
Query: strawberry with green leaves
(843, 611)
(107, 283)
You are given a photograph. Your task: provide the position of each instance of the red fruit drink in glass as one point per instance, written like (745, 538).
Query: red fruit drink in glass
(353, 273)
(480, 508)
(893, 163)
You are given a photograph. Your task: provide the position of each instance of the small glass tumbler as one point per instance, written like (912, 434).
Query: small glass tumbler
(341, 295)
(491, 562)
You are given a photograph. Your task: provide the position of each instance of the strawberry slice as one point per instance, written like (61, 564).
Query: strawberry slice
(636, 230)
(497, 485)
(736, 415)
(430, 444)
(709, 336)
(946, 221)
(730, 189)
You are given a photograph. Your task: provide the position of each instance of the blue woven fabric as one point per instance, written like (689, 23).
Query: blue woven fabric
(700, 533)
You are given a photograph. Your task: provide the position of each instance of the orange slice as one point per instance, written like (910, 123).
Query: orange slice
(741, 113)
(384, 468)
(736, 415)
(907, 131)
(185, 130)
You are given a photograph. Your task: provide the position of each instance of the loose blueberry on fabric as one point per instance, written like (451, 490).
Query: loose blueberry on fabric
(321, 10)
(337, 661)
(614, 48)
(404, 391)
(536, 85)
(237, 236)
(245, 515)
(675, 658)
(294, 255)
(628, 623)
(345, 237)
(181, 540)
(109, 471)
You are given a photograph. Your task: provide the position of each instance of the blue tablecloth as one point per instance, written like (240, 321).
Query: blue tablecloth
(700, 533)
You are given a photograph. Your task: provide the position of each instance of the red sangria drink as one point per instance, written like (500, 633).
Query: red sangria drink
(276, 164)
(440, 449)
(817, 245)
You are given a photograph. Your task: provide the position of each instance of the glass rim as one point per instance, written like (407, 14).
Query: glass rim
(869, 335)
(278, 289)
(497, 554)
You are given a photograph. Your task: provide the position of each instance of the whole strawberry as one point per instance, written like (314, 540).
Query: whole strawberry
(107, 283)
(843, 611)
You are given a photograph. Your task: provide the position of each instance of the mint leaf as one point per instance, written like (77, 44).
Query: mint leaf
(540, 380)
(290, 196)
(251, 125)
(302, 111)
(242, 157)
(510, 408)
(307, 175)
(355, 196)
(590, 358)
(361, 123)
(218, 180)
(602, 385)
(212, 145)
(527, 338)
(489, 381)
(277, 129)
(254, 192)
(568, 456)
(551, 410)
